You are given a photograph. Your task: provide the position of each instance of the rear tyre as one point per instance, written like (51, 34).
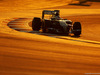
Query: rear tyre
(77, 28)
(36, 24)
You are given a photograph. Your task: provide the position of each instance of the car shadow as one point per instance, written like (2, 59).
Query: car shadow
(52, 34)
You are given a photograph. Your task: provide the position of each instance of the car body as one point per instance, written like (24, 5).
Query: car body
(55, 24)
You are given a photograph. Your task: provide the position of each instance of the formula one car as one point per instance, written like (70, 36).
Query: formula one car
(55, 24)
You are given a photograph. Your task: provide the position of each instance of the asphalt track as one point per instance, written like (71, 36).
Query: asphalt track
(46, 54)
(60, 57)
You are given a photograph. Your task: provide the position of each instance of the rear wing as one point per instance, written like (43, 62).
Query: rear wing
(49, 12)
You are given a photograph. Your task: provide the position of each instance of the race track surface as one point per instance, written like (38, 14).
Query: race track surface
(25, 52)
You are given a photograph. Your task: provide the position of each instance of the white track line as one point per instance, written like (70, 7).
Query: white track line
(19, 21)
(21, 28)
(15, 25)
(68, 38)
(77, 39)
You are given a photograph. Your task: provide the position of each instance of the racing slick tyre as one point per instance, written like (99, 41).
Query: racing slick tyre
(36, 24)
(77, 28)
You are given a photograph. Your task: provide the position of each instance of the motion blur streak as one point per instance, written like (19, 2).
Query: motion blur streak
(24, 53)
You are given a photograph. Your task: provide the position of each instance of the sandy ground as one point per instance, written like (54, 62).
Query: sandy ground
(24, 53)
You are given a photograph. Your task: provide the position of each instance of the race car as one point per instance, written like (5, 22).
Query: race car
(55, 24)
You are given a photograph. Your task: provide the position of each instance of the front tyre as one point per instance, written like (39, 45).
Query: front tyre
(36, 24)
(77, 28)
